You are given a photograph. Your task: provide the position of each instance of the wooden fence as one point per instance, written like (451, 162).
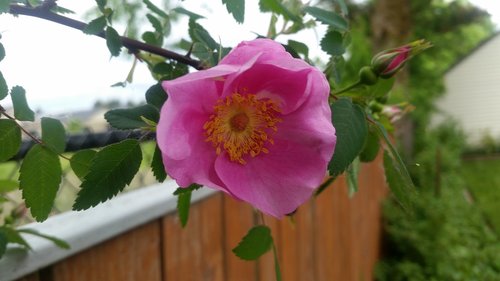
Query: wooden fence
(333, 237)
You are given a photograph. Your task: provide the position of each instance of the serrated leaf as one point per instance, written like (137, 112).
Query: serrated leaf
(352, 177)
(299, 47)
(157, 165)
(111, 170)
(113, 41)
(13, 236)
(3, 244)
(8, 186)
(5, 6)
(155, 9)
(327, 17)
(80, 162)
(39, 179)
(130, 118)
(199, 34)
(58, 242)
(255, 243)
(10, 139)
(53, 134)
(349, 121)
(2, 52)
(191, 15)
(333, 43)
(236, 8)
(397, 182)
(22, 111)
(399, 179)
(371, 148)
(152, 38)
(4, 89)
(155, 22)
(95, 26)
(183, 204)
(277, 7)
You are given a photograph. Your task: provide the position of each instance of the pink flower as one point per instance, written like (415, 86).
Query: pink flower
(387, 63)
(257, 126)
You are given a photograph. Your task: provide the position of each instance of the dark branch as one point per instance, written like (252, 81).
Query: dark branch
(131, 44)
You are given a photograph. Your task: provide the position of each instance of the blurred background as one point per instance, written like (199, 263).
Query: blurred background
(448, 132)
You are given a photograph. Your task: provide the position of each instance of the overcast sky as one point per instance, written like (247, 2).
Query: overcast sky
(65, 70)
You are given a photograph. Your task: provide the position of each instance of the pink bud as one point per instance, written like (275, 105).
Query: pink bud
(387, 63)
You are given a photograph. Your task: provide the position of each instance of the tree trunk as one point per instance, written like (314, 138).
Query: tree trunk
(391, 27)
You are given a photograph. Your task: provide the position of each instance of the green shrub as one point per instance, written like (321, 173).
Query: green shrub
(445, 238)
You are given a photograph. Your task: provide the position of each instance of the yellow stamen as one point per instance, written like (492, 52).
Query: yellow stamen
(241, 125)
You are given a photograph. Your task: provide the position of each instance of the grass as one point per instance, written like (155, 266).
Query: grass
(482, 177)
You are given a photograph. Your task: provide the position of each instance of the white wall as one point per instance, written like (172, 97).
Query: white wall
(473, 93)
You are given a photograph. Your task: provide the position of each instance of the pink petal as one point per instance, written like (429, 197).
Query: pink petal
(275, 183)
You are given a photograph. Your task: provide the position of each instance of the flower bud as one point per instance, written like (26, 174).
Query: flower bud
(387, 63)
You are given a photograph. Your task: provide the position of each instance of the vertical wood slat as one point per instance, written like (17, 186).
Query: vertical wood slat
(238, 219)
(195, 252)
(333, 237)
(134, 255)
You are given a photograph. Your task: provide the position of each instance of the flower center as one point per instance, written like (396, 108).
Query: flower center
(241, 125)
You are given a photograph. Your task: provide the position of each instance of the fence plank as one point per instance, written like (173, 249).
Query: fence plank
(324, 235)
(265, 263)
(134, 255)
(239, 218)
(196, 251)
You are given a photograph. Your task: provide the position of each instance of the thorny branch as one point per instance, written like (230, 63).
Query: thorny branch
(131, 44)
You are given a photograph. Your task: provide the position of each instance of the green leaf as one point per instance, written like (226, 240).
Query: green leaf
(80, 162)
(3, 244)
(236, 8)
(39, 179)
(22, 112)
(111, 170)
(299, 47)
(157, 165)
(13, 236)
(5, 6)
(352, 177)
(152, 38)
(333, 43)
(327, 17)
(95, 26)
(113, 41)
(53, 134)
(401, 187)
(190, 14)
(155, 22)
(350, 124)
(256, 243)
(8, 186)
(199, 34)
(277, 7)
(156, 96)
(10, 139)
(397, 175)
(155, 9)
(58, 242)
(130, 118)
(2, 52)
(371, 148)
(183, 204)
(4, 89)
